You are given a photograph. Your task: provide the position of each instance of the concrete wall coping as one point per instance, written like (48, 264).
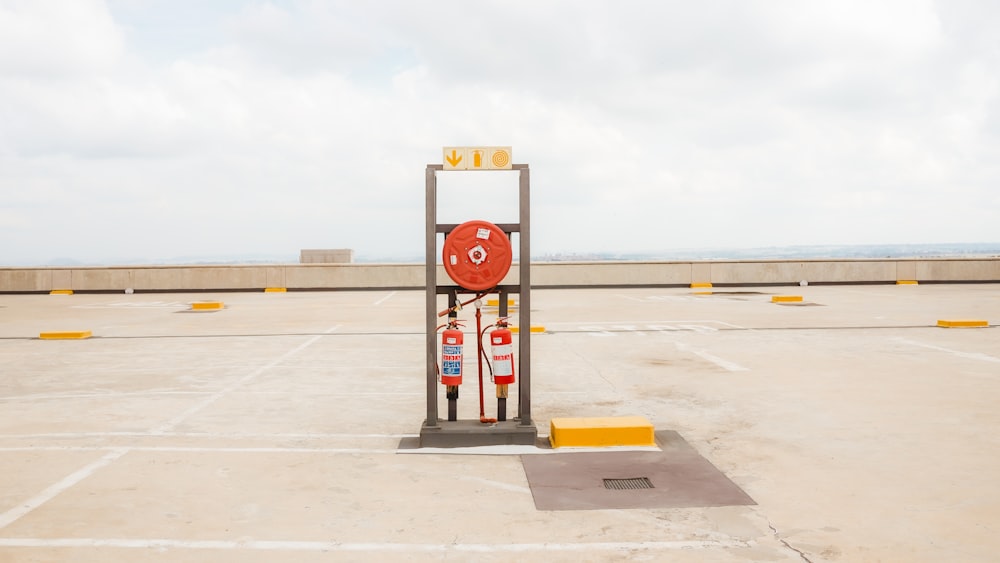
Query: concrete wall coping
(247, 277)
(990, 258)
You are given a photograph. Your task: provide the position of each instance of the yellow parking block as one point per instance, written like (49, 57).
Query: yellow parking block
(61, 292)
(496, 302)
(65, 335)
(700, 285)
(207, 306)
(534, 329)
(907, 282)
(963, 323)
(785, 298)
(275, 290)
(598, 432)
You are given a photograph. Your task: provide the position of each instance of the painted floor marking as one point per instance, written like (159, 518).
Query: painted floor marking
(209, 435)
(698, 328)
(384, 299)
(324, 546)
(298, 393)
(136, 305)
(721, 362)
(115, 395)
(595, 330)
(107, 395)
(193, 449)
(514, 449)
(614, 328)
(959, 353)
(663, 298)
(214, 397)
(503, 450)
(729, 325)
(496, 484)
(51, 491)
(115, 453)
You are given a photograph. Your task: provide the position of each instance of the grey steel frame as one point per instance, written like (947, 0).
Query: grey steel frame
(523, 288)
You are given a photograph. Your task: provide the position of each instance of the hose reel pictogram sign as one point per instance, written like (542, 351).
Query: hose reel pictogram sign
(477, 255)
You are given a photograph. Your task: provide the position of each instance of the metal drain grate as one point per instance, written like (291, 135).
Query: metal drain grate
(628, 484)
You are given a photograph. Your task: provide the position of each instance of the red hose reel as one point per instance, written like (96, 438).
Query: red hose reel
(477, 255)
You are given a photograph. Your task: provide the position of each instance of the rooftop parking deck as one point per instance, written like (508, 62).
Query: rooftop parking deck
(270, 430)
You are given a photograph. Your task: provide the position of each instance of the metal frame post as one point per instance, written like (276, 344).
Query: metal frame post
(430, 249)
(524, 289)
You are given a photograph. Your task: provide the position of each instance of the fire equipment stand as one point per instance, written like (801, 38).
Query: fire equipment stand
(436, 432)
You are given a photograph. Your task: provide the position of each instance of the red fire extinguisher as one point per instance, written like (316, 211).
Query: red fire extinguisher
(451, 355)
(503, 354)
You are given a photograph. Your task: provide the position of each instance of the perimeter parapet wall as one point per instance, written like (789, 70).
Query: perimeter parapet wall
(544, 274)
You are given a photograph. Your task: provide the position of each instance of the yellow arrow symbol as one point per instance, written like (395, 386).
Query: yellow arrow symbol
(454, 159)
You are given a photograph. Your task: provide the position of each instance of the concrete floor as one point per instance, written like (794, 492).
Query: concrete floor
(268, 431)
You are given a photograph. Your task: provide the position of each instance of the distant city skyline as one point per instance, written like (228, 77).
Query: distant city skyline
(991, 250)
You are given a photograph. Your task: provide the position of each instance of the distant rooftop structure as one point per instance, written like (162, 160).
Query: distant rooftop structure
(326, 256)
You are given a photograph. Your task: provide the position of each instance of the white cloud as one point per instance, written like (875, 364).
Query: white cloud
(57, 39)
(160, 128)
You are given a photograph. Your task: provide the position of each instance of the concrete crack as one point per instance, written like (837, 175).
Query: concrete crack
(777, 536)
(596, 370)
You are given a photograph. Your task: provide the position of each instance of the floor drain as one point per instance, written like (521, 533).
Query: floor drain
(628, 484)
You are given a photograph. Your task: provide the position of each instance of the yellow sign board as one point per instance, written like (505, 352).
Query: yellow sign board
(477, 158)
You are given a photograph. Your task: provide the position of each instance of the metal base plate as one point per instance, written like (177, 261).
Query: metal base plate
(467, 433)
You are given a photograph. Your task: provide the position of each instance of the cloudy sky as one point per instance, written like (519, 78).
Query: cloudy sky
(155, 129)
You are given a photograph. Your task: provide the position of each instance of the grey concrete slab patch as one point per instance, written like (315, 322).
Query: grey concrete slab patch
(678, 475)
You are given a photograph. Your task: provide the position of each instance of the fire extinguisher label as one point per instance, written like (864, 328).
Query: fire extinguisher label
(501, 351)
(451, 360)
(503, 365)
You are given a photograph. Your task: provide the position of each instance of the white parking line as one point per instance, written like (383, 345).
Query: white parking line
(198, 407)
(612, 328)
(108, 395)
(722, 363)
(495, 484)
(968, 355)
(50, 492)
(115, 453)
(186, 449)
(500, 450)
(595, 330)
(136, 305)
(730, 325)
(208, 435)
(116, 395)
(381, 547)
(384, 299)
